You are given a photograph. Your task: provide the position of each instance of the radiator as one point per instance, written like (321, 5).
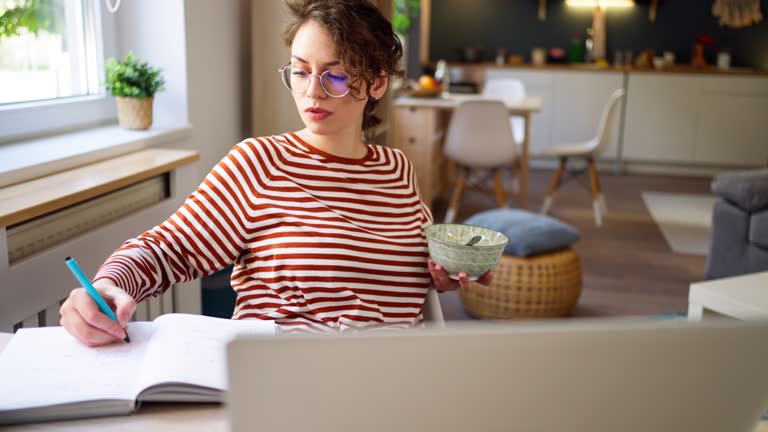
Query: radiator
(33, 278)
(29, 238)
(39, 234)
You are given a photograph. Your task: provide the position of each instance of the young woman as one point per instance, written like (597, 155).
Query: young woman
(324, 230)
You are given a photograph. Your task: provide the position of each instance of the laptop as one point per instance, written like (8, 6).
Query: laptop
(575, 376)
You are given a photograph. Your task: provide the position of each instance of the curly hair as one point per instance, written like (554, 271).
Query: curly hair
(363, 38)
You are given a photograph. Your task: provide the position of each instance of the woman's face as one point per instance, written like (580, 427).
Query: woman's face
(313, 52)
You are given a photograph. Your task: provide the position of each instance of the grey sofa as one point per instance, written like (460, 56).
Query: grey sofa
(739, 242)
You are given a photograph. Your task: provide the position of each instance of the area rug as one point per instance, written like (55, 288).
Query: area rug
(684, 219)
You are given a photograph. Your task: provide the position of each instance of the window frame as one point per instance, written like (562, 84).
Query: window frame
(27, 120)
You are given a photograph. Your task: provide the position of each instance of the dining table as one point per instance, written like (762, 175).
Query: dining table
(161, 417)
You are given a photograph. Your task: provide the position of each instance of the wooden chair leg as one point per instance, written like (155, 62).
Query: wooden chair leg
(501, 198)
(450, 214)
(594, 183)
(600, 194)
(554, 186)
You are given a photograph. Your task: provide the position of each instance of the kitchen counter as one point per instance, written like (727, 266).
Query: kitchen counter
(679, 68)
(684, 121)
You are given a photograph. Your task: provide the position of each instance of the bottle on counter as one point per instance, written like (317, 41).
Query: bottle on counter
(500, 56)
(440, 70)
(442, 75)
(618, 58)
(724, 59)
(669, 58)
(538, 56)
(628, 57)
(576, 49)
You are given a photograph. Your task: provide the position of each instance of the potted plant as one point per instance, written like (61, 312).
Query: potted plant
(133, 83)
(404, 14)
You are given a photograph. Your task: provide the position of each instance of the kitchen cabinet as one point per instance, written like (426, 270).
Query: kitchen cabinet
(682, 119)
(660, 118)
(417, 131)
(696, 120)
(731, 122)
(572, 103)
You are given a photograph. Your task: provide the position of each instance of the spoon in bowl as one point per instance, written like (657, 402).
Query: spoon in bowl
(474, 240)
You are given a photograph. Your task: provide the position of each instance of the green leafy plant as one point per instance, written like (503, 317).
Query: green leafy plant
(403, 15)
(33, 15)
(132, 78)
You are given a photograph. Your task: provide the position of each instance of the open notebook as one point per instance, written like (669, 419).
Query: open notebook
(46, 374)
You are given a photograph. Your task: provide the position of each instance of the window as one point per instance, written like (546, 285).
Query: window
(51, 66)
(47, 50)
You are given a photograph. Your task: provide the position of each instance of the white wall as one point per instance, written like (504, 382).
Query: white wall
(154, 31)
(273, 108)
(198, 45)
(215, 76)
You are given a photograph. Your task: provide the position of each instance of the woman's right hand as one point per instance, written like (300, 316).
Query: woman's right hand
(81, 316)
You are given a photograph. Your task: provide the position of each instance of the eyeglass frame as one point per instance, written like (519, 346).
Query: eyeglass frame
(309, 81)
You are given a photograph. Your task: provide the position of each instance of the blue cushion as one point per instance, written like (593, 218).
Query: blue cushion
(529, 233)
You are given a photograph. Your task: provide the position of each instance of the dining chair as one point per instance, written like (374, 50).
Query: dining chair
(514, 90)
(587, 150)
(432, 312)
(511, 89)
(478, 140)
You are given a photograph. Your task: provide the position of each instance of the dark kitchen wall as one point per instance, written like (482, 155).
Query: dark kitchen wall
(514, 26)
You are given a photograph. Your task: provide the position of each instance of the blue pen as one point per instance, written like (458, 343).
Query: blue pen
(80, 276)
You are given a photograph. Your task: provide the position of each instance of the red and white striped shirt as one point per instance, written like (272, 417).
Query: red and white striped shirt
(317, 240)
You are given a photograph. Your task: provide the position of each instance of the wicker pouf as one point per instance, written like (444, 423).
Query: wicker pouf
(541, 286)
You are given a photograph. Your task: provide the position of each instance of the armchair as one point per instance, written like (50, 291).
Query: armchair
(739, 241)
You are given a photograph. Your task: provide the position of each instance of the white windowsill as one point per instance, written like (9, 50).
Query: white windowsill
(25, 160)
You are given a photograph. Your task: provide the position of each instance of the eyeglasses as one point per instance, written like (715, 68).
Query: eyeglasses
(335, 83)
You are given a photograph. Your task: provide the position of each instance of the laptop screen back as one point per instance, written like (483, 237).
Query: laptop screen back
(576, 376)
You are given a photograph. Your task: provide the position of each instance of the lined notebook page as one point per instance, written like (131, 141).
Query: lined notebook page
(192, 349)
(47, 366)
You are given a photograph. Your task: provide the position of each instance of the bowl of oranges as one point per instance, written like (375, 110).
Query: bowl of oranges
(426, 86)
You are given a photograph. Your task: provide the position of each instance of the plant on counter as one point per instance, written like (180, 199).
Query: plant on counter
(132, 78)
(134, 84)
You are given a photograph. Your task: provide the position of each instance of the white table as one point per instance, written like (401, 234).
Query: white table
(741, 297)
(159, 417)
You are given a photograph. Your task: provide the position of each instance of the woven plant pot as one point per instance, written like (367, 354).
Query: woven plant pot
(541, 286)
(134, 113)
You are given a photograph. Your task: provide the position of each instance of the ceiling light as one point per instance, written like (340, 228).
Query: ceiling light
(603, 4)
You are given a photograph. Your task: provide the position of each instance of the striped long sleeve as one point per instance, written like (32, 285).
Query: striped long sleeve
(317, 241)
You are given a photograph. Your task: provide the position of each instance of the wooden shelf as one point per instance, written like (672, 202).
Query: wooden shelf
(24, 201)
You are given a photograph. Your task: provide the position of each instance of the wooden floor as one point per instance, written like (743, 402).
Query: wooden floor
(628, 267)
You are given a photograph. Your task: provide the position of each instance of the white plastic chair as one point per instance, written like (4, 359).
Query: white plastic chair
(479, 137)
(587, 150)
(433, 312)
(509, 89)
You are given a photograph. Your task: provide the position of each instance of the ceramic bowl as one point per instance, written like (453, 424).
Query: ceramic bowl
(447, 247)
(425, 92)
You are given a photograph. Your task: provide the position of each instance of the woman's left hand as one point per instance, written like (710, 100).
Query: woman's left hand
(444, 283)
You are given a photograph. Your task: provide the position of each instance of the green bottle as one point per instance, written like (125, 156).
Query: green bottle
(577, 50)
